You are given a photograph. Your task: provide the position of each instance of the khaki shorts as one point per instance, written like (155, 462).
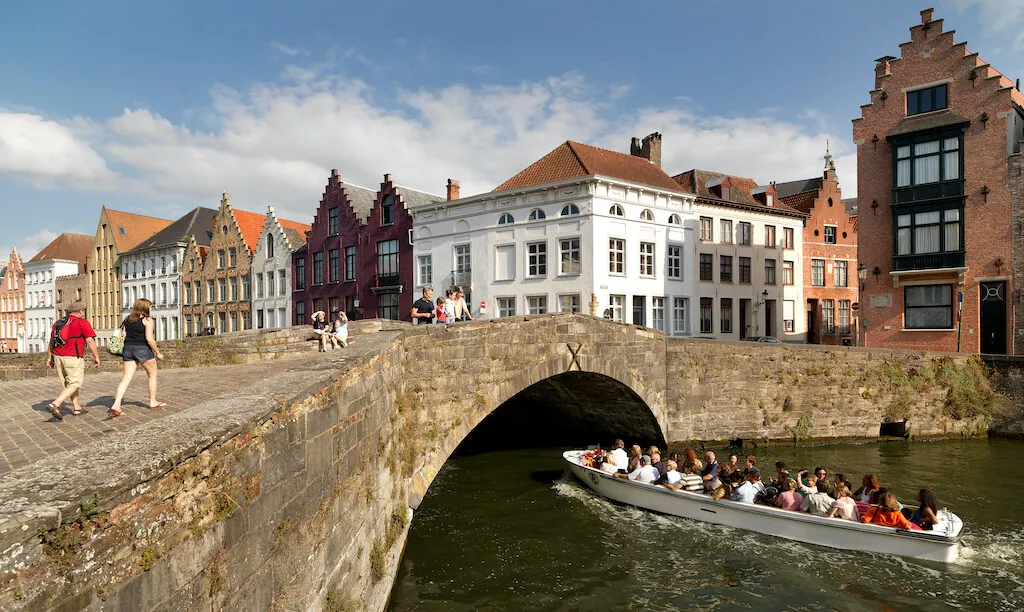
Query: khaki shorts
(70, 370)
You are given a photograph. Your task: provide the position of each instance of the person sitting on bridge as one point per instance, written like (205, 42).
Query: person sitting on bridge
(819, 502)
(710, 472)
(621, 458)
(644, 473)
(671, 479)
(321, 329)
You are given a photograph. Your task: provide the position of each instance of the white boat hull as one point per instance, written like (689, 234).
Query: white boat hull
(940, 545)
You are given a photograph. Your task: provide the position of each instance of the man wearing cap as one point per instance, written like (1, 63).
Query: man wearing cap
(645, 472)
(69, 358)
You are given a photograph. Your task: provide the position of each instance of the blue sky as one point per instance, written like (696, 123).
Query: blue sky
(159, 107)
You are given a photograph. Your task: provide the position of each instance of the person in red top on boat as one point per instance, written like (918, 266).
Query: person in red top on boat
(887, 514)
(67, 354)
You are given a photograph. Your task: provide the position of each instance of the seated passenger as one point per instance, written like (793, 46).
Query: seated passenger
(819, 502)
(821, 474)
(876, 498)
(634, 458)
(751, 462)
(689, 459)
(843, 507)
(730, 466)
(657, 464)
(692, 482)
(886, 514)
(782, 474)
(790, 498)
(621, 458)
(839, 480)
(746, 491)
(755, 479)
(644, 473)
(710, 472)
(810, 487)
(926, 515)
(672, 479)
(610, 464)
(868, 486)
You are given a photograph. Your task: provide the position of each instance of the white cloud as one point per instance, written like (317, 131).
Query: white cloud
(50, 153)
(284, 49)
(29, 245)
(275, 143)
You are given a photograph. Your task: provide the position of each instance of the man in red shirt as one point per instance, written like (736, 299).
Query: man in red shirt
(69, 358)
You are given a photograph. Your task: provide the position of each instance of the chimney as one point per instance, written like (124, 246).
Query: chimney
(453, 189)
(882, 69)
(634, 147)
(650, 148)
(335, 176)
(926, 15)
(387, 178)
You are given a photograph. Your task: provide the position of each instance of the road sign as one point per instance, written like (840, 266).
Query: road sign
(855, 306)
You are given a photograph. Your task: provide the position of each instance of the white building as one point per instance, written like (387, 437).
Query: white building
(271, 273)
(66, 255)
(583, 229)
(152, 270)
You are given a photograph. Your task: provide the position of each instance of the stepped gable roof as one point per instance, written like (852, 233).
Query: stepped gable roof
(294, 237)
(67, 246)
(573, 159)
(198, 222)
(800, 200)
(794, 187)
(414, 197)
(250, 225)
(130, 229)
(362, 199)
(700, 182)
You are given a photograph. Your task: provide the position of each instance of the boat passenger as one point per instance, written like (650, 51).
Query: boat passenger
(782, 474)
(790, 498)
(821, 474)
(843, 507)
(731, 466)
(868, 486)
(839, 480)
(621, 458)
(926, 515)
(810, 487)
(634, 458)
(886, 514)
(746, 492)
(657, 463)
(710, 472)
(819, 502)
(672, 478)
(689, 459)
(610, 464)
(644, 473)
(755, 479)
(751, 462)
(876, 498)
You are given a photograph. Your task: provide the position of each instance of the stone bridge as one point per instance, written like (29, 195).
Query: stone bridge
(294, 489)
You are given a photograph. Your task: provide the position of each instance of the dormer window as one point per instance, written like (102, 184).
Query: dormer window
(769, 200)
(725, 192)
(121, 229)
(927, 100)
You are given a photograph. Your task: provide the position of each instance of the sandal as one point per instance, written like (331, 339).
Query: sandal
(84, 410)
(55, 411)
(115, 413)
(158, 406)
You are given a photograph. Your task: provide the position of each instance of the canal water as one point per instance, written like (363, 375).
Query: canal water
(512, 530)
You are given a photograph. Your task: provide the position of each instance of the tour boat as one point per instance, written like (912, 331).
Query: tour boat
(940, 544)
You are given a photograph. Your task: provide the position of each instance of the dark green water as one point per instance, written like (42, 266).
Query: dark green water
(513, 531)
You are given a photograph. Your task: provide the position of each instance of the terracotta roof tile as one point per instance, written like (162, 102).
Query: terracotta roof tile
(855, 223)
(302, 228)
(696, 182)
(573, 159)
(130, 229)
(802, 201)
(67, 246)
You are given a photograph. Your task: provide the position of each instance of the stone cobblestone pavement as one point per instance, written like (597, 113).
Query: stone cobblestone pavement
(28, 432)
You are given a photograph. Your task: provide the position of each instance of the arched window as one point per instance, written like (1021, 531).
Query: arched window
(387, 210)
(616, 210)
(270, 245)
(506, 219)
(647, 215)
(570, 209)
(674, 220)
(224, 230)
(537, 214)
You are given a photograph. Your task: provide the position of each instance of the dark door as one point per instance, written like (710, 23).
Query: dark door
(639, 310)
(993, 318)
(769, 317)
(812, 308)
(744, 318)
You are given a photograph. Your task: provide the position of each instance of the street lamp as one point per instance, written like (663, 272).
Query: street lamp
(862, 274)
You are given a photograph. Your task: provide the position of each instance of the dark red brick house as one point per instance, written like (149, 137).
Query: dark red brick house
(358, 255)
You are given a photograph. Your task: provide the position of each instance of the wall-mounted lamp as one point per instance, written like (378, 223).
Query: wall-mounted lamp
(876, 272)
(862, 274)
(984, 193)
(874, 207)
(984, 119)
(998, 263)
(874, 141)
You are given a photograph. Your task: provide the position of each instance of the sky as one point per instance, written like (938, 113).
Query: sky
(156, 108)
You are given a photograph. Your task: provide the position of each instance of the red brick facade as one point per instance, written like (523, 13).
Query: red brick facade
(984, 113)
(12, 302)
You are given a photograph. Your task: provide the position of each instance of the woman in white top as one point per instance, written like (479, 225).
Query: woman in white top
(340, 333)
(609, 465)
(844, 507)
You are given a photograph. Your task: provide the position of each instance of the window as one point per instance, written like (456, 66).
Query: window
(769, 271)
(707, 229)
(506, 306)
(222, 290)
(726, 315)
(332, 221)
(658, 313)
(318, 268)
(705, 315)
(639, 310)
(506, 219)
(300, 273)
(221, 261)
(928, 232)
(387, 260)
(350, 263)
(726, 231)
(568, 210)
(270, 245)
(505, 262)
(426, 269)
(387, 306)
(233, 253)
(705, 267)
(282, 279)
(928, 307)
(844, 316)
(318, 304)
(209, 291)
(333, 270)
(674, 219)
(674, 263)
(769, 236)
(745, 270)
(537, 259)
(927, 162)
(332, 312)
(569, 302)
(746, 233)
(789, 315)
(569, 252)
(537, 214)
(270, 284)
(463, 263)
(233, 283)
(926, 100)
(617, 303)
(616, 256)
(224, 229)
(647, 259)
(163, 265)
(387, 211)
(830, 234)
(787, 273)
(840, 267)
(537, 304)
(769, 200)
(616, 211)
(787, 238)
(646, 215)
(725, 268)
(828, 316)
(818, 272)
(259, 286)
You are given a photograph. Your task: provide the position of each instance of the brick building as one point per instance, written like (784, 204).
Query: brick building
(358, 255)
(934, 146)
(829, 256)
(70, 289)
(12, 302)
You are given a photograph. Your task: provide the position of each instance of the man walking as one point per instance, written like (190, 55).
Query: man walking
(423, 308)
(68, 339)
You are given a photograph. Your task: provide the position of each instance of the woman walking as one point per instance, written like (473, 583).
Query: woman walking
(139, 348)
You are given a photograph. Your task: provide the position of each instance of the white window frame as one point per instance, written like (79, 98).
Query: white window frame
(680, 313)
(562, 250)
(503, 302)
(536, 260)
(616, 246)
(617, 303)
(647, 269)
(835, 234)
(674, 270)
(425, 269)
(531, 300)
(579, 302)
(499, 274)
(658, 313)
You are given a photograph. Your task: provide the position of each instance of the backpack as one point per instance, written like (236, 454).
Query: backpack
(58, 339)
